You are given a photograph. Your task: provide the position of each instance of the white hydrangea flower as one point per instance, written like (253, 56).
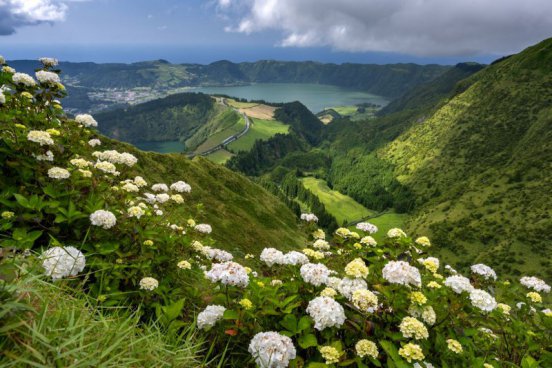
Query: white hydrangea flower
(58, 173)
(41, 137)
(348, 286)
(116, 158)
(130, 187)
(484, 270)
(2, 98)
(368, 240)
(7, 69)
(426, 313)
(272, 350)
(45, 77)
(94, 142)
(367, 227)
(162, 197)
(216, 254)
(294, 258)
(86, 120)
(140, 182)
(60, 262)
(203, 228)
(309, 217)
(135, 211)
(532, 282)
(48, 62)
(228, 273)
(160, 187)
(210, 316)
(272, 256)
(326, 312)
(103, 218)
(23, 79)
(365, 300)
(396, 233)
(149, 283)
(458, 283)
(321, 244)
(80, 163)
(401, 272)
(315, 273)
(107, 167)
(482, 300)
(48, 156)
(181, 187)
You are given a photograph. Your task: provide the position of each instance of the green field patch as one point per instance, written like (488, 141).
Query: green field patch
(340, 206)
(260, 129)
(217, 138)
(345, 110)
(220, 156)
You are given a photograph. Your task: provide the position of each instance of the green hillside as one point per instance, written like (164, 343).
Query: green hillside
(176, 117)
(467, 156)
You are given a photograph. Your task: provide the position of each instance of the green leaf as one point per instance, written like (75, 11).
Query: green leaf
(230, 314)
(316, 365)
(289, 322)
(304, 323)
(307, 341)
(529, 362)
(172, 311)
(21, 200)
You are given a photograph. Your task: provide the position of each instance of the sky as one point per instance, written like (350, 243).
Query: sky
(195, 31)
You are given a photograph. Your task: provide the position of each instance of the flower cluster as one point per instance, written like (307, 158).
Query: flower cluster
(326, 312)
(272, 350)
(60, 262)
(228, 273)
(209, 316)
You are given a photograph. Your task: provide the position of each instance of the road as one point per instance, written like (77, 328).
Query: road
(232, 138)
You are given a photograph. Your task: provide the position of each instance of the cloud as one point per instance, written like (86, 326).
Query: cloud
(19, 13)
(417, 27)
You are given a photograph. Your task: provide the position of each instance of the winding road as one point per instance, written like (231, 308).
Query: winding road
(232, 138)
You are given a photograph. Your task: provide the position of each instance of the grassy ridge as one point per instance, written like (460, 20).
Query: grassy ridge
(220, 157)
(259, 130)
(217, 138)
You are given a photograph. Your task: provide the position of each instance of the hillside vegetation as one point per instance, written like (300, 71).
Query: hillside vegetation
(470, 158)
(141, 283)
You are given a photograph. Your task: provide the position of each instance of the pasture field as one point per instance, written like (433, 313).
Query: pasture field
(260, 129)
(220, 157)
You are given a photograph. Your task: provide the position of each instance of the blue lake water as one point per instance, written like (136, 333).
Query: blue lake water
(315, 96)
(161, 147)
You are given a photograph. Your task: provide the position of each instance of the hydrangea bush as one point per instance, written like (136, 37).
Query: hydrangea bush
(342, 300)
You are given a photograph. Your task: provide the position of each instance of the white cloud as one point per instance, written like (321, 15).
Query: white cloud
(419, 27)
(18, 13)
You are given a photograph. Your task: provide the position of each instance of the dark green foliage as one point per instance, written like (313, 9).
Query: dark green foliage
(170, 118)
(301, 120)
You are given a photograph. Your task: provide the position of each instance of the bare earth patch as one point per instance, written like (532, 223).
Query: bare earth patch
(260, 111)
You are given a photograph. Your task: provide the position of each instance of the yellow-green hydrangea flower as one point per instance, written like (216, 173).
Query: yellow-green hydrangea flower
(148, 243)
(184, 265)
(356, 269)
(411, 352)
(366, 348)
(246, 304)
(330, 354)
(454, 346)
(535, 297)
(6, 215)
(418, 298)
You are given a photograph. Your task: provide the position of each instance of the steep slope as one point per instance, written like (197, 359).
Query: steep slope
(241, 211)
(480, 166)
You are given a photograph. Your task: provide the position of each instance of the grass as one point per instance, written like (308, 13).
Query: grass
(345, 110)
(260, 129)
(220, 156)
(218, 138)
(64, 329)
(341, 206)
(387, 221)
